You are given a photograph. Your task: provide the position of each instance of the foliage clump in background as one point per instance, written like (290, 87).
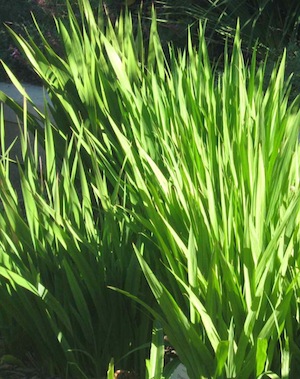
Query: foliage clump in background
(272, 23)
(166, 180)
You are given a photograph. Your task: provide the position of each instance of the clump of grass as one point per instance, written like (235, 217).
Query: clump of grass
(168, 181)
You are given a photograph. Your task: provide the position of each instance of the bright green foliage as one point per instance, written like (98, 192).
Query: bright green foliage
(59, 251)
(156, 361)
(166, 170)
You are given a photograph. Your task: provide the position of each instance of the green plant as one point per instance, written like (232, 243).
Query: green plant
(272, 22)
(192, 172)
(60, 248)
(222, 205)
(71, 234)
(65, 255)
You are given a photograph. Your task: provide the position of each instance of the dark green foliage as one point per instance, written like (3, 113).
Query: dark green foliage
(273, 23)
(17, 15)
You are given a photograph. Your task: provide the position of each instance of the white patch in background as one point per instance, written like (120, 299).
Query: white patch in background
(180, 372)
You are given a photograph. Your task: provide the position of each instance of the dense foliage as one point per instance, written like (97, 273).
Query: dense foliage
(167, 201)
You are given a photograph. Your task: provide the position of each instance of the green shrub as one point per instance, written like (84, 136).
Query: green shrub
(191, 172)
